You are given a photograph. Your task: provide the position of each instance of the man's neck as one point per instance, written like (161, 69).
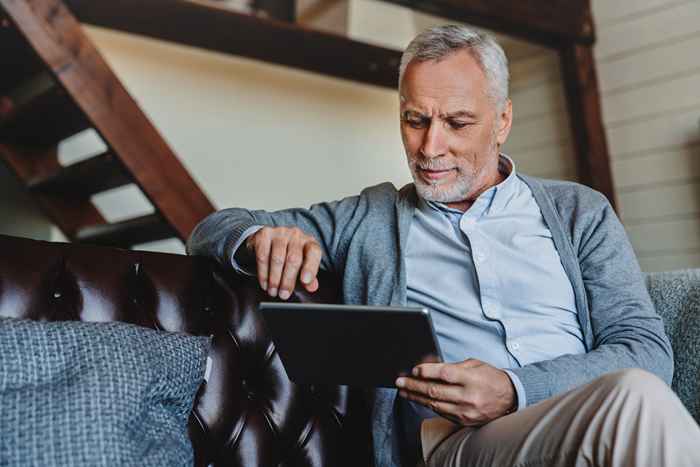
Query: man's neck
(464, 205)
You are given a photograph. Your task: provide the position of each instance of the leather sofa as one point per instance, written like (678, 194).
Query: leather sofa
(248, 413)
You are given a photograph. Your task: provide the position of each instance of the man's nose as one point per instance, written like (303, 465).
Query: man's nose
(434, 141)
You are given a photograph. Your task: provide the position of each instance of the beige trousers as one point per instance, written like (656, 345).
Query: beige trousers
(629, 418)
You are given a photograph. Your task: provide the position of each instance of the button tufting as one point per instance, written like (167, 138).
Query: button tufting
(247, 390)
(57, 295)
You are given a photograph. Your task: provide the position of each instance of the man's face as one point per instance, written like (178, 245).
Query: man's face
(451, 128)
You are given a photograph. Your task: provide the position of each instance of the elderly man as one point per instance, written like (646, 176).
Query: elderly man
(554, 353)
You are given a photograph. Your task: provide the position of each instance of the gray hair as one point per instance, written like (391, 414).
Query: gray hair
(438, 42)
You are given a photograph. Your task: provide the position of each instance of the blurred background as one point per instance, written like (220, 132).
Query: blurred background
(267, 136)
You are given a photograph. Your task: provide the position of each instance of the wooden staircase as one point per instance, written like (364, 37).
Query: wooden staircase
(54, 84)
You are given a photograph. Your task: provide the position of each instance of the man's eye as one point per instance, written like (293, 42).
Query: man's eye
(416, 122)
(457, 125)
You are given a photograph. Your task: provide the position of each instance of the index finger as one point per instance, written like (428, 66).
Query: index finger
(437, 371)
(312, 261)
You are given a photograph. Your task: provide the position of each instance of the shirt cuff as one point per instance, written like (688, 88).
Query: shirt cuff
(244, 236)
(519, 389)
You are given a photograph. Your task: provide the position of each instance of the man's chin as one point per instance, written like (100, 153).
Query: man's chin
(437, 193)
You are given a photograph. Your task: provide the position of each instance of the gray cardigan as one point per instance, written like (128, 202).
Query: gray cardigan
(363, 239)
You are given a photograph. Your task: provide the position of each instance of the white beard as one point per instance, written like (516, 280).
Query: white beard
(455, 192)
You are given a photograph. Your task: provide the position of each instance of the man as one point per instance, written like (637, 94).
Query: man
(536, 294)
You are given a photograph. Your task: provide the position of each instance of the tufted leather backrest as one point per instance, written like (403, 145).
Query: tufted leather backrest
(249, 413)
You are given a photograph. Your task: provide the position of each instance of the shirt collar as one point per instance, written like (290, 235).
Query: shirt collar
(492, 200)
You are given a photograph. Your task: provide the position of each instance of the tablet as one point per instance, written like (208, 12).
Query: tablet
(350, 345)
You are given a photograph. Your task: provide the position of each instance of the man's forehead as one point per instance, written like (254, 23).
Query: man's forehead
(457, 104)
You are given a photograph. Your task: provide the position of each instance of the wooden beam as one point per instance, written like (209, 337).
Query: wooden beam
(316, 10)
(69, 213)
(83, 179)
(586, 119)
(59, 41)
(216, 28)
(127, 233)
(551, 23)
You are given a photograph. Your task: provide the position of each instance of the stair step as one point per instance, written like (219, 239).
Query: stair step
(38, 112)
(84, 178)
(125, 234)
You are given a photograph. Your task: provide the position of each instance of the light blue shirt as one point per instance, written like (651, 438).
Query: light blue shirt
(493, 281)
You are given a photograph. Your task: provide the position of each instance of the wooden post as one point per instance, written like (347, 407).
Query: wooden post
(586, 119)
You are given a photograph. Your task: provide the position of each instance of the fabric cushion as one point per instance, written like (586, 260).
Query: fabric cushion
(676, 295)
(96, 394)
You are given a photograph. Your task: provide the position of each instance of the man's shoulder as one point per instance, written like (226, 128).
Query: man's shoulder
(567, 195)
(384, 189)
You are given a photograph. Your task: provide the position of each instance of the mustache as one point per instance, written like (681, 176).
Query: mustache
(432, 164)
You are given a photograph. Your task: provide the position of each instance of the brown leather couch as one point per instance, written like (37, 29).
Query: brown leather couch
(249, 413)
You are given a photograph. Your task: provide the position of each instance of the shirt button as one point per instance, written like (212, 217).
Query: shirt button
(515, 345)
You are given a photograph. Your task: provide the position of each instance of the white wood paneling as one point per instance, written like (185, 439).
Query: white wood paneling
(546, 161)
(667, 237)
(679, 165)
(676, 129)
(544, 98)
(634, 69)
(649, 72)
(686, 260)
(538, 132)
(534, 70)
(660, 98)
(662, 201)
(642, 32)
(538, 142)
(607, 11)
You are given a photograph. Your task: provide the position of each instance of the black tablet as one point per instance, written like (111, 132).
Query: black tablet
(350, 345)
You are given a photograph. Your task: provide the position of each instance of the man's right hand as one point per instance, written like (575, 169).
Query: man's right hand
(283, 254)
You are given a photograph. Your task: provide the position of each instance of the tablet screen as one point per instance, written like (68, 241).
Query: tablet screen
(350, 345)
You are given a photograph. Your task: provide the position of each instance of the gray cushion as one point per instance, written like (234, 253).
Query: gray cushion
(96, 394)
(676, 296)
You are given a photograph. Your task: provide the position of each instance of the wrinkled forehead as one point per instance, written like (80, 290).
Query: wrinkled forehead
(441, 101)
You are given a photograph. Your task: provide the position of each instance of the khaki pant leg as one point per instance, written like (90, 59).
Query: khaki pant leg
(628, 418)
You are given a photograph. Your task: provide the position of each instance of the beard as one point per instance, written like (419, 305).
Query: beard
(441, 191)
(466, 178)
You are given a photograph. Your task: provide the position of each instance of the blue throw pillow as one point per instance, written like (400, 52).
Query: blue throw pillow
(96, 394)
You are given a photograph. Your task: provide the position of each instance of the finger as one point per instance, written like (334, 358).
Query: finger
(292, 265)
(446, 372)
(313, 287)
(448, 409)
(434, 390)
(278, 254)
(262, 242)
(312, 261)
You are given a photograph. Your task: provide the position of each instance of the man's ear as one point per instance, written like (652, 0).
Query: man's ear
(504, 122)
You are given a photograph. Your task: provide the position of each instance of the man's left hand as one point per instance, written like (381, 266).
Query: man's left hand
(471, 393)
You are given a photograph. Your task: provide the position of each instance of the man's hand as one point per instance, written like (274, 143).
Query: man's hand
(281, 253)
(470, 393)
